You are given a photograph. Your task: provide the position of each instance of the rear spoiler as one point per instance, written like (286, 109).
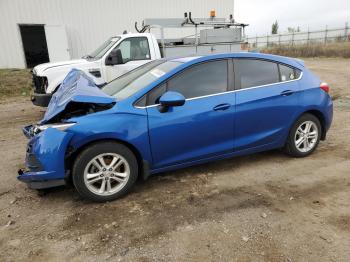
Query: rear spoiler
(300, 62)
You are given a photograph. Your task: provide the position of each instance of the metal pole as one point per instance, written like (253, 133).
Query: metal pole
(325, 34)
(346, 32)
(162, 41)
(279, 40)
(267, 40)
(308, 35)
(196, 43)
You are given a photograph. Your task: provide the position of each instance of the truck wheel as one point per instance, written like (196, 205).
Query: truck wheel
(304, 136)
(105, 171)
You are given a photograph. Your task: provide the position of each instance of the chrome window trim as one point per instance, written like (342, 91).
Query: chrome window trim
(232, 91)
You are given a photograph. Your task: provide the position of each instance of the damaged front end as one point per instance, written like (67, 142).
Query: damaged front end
(49, 139)
(45, 157)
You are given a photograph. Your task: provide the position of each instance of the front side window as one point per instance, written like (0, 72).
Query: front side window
(134, 48)
(154, 95)
(252, 72)
(201, 80)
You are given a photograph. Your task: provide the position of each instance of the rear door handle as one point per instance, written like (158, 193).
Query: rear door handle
(221, 107)
(287, 92)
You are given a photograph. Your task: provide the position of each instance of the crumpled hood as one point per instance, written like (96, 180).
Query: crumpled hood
(76, 87)
(39, 69)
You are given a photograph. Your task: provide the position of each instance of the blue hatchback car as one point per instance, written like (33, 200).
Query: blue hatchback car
(173, 113)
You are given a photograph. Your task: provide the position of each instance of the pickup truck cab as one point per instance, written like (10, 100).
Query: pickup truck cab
(115, 57)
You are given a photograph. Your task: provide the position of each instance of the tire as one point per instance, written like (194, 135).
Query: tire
(105, 171)
(295, 136)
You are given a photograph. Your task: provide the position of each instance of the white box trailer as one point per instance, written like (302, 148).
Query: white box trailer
(222, 36)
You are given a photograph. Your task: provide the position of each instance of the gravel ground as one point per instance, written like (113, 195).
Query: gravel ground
(263, 207)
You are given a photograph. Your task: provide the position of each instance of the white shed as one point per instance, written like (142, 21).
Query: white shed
(37, 31)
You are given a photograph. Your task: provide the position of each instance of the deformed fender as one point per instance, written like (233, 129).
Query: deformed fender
(127, 128)
(49, 148)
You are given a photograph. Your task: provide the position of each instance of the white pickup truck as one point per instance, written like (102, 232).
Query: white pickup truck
(113, 58)
(122, 53)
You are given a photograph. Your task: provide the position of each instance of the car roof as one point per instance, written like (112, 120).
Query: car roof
(280, 59)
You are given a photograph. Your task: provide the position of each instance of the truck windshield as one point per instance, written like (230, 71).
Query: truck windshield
(102, 49)
(133, 81)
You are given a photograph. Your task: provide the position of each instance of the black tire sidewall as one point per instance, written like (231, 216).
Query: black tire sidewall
(290, 145)
(92, 151)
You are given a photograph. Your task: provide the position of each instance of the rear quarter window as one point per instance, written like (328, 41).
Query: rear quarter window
(288, 73)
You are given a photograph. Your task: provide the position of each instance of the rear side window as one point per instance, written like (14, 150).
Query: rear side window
(288, 73)
(201, 80)
(252, 72)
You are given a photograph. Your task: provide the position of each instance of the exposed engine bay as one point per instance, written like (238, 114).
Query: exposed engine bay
(73, 109)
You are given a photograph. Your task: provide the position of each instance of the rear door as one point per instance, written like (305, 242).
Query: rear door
(203, 126)
(266, 101)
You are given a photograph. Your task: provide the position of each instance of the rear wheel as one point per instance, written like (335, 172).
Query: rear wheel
(105, 171)
(304, 136)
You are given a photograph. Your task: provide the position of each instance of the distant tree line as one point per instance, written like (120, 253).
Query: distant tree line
(275, 27)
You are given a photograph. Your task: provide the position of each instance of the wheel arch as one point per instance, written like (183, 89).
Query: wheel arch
(319, 115)
(72, 154)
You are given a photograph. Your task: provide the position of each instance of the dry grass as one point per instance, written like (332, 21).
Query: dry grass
(15, 82)
(337, 49)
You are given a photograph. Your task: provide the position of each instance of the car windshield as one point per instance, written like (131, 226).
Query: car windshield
(102, 49)
(133, 81)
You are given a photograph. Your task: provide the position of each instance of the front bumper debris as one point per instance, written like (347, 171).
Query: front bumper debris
(45, 158)
(27, 177)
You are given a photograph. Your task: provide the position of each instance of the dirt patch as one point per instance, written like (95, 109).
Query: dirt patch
(342, 222)
(15, 82)
(262, 207)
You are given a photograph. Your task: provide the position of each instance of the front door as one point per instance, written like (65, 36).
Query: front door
(201, 128)
(134, 51)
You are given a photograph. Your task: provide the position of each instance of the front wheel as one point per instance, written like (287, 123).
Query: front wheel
(304, 136)
(105, 171)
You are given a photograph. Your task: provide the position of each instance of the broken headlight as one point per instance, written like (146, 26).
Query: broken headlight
(59, 126)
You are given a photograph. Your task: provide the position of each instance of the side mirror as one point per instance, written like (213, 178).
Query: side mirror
(114, 58)
(170, 99)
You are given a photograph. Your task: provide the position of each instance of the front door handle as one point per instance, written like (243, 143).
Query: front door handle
(287, 92)
(221, 107)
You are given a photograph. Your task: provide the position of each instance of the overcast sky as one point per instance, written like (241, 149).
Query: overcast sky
(260, 14)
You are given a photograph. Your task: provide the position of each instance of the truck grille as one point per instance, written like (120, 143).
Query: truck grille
(40, 84)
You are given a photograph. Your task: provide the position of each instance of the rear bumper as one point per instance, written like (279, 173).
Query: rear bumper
(328, 115)
(41, 99)
(329, 111)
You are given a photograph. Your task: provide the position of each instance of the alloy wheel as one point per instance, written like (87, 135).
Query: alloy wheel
(306, 136)
(106, 174)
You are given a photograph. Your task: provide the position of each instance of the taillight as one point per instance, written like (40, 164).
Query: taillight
(325, 87)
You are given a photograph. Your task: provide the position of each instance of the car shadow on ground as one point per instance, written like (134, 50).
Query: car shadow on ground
(169, 179)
